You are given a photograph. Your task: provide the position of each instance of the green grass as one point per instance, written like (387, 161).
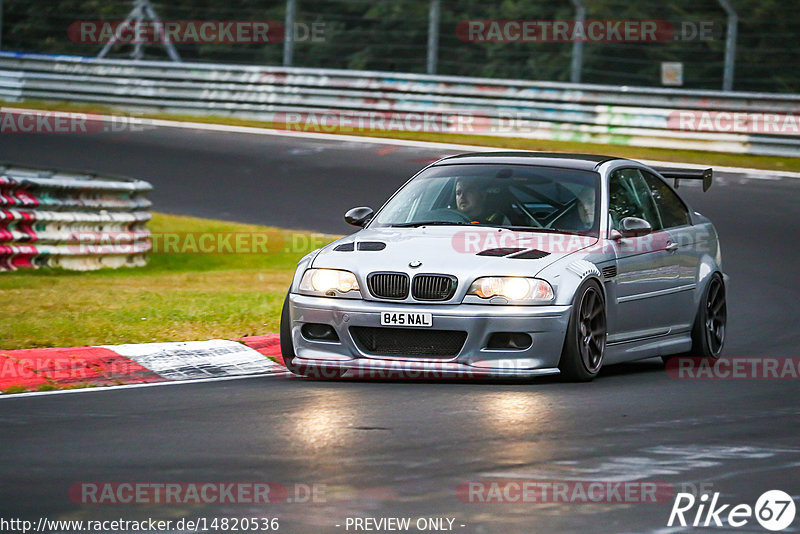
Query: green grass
(177, 297)
(14, 389)
(659, 154)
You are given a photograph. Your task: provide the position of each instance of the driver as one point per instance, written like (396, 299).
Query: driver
(586, 207)
(580, 217)
(471, 202)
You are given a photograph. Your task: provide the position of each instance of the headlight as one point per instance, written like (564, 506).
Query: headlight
(329, 282)
(516, 289)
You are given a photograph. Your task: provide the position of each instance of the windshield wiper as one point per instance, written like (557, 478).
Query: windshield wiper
(426, 223)
(546, 230)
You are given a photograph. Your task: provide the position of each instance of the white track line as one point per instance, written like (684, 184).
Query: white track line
(136, 386)
(755, 174)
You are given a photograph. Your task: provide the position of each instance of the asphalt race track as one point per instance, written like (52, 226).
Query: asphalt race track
(402, 449)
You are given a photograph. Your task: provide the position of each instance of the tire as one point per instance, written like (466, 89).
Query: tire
(585, 342)
(708, 331)
(288, 354)
(287, 347)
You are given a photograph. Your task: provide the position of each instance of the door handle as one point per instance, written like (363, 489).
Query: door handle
(671, 246)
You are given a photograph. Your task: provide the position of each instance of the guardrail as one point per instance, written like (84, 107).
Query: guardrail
(71, 220)
(327, 100)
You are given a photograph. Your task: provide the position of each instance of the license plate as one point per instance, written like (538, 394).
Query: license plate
(406, 319)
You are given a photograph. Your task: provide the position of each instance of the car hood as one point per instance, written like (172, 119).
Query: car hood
(464, 252)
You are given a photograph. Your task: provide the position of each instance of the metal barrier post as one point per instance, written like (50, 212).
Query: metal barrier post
(577, 46)
(433, 35)
(730, 45)
(141, 9)
(147, 9)
(288, 42)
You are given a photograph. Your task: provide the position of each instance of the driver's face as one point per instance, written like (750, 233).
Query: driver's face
(586, 206)
(469, 199)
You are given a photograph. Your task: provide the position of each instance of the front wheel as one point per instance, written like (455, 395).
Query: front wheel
(288, 354)
(287, 347)
(585, 343)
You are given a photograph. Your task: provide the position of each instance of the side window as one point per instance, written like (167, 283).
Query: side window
(629, 196)
(670, 206)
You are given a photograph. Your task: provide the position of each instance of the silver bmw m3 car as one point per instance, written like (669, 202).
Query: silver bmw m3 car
(512, 264)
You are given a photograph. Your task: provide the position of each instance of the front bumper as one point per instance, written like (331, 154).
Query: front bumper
(545, 324)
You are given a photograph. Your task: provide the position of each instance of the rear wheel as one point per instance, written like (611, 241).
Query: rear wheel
(708, 332)
(585, 343)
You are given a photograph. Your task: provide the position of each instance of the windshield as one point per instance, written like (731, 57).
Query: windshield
(518, 197)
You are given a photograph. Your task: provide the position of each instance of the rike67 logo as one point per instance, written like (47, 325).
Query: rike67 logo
(774, 510)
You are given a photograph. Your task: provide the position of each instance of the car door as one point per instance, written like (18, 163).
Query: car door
(645, 275)
(682, 256)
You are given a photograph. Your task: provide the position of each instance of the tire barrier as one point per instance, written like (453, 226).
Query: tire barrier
(327, 100)
(74, 221)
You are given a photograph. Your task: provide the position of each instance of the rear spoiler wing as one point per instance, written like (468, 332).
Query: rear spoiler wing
(688, 174)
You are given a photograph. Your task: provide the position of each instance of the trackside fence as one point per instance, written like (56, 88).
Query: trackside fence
(332, 100)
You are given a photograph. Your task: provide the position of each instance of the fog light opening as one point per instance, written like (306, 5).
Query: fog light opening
(509, 341)
(319, 332)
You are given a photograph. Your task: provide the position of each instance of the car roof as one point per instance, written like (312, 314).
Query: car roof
(543, 159)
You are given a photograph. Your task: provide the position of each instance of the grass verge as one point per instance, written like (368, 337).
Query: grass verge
(177, 297)
(658, 154)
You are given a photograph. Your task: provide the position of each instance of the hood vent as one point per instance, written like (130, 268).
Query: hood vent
(346, 247)
(530, 255)
(500, 251)
(371, 245)
(515, 252)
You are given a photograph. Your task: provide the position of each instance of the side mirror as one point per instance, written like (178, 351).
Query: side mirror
(359, 216)
(634, 227)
